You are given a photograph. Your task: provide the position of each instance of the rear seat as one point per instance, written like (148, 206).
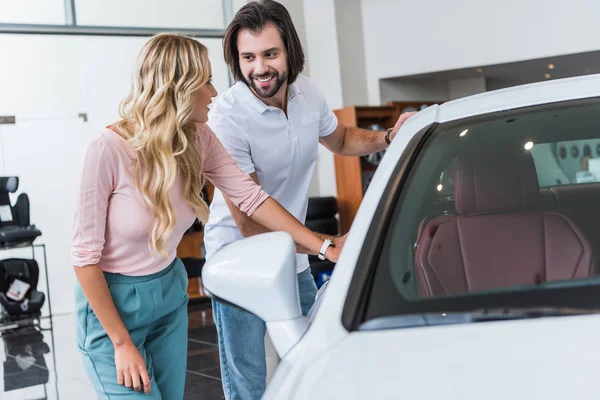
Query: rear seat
(499, 236)
(548, 200)
(582, 204)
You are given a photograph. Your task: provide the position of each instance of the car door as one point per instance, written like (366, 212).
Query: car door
(514, 310)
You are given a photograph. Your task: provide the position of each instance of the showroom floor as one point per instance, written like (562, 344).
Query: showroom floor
(47, 365)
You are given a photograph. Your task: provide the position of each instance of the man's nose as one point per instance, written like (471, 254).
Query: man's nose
(260, 67)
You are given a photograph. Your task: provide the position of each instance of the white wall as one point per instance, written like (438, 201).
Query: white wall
(323, 59)
(348, 22)
(413, 89)
(407, 37)
(466, 87)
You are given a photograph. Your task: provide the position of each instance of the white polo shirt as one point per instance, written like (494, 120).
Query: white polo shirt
(281, 150)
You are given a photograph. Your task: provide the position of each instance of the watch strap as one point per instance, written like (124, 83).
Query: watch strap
(388, 132)
(326, 244)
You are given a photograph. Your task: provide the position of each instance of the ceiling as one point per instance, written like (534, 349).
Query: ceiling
(523, 71)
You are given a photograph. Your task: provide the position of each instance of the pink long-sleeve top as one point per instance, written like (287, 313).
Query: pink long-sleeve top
(112, 222)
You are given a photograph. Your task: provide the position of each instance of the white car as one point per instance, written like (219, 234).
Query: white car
(470, 271)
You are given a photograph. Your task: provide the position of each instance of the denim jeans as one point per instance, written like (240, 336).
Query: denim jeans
(242, 344)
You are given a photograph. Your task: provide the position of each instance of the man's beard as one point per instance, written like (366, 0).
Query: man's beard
(266, 93)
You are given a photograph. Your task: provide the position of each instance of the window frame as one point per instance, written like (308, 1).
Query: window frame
(72, 28)
(361, 284)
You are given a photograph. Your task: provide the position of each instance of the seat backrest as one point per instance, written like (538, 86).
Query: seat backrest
(25, 270)
(500, 236)
(8, 184)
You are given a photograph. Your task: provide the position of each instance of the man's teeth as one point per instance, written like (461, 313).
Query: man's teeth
(264, 79)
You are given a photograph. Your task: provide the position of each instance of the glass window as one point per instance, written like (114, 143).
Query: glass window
(474, 226)
(567, 162)
(198, 14)
(50, 12)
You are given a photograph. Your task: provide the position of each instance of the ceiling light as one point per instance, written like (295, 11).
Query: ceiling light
(463, 133)
(550, 66)
(444, 314)
(439, 188)
(480, 70)
(528, 146)
(547, 76)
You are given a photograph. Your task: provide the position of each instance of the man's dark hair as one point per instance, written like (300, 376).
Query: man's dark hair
(254, 16)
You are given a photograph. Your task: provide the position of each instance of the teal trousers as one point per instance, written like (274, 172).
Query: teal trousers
(154, 310)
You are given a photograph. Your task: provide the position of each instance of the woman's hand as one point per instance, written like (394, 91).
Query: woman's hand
(333, 252)
(131, 368)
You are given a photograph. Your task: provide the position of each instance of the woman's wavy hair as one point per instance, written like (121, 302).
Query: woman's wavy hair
(156, 119)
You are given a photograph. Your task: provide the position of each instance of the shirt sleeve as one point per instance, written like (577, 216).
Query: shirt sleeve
(227, 176)
(95, 189)
(233, 138)
(328, 122)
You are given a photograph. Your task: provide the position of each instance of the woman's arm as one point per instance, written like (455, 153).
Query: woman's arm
(249, 227)
(272, 215)
(131, 367)
(92, 281)
(96, 186)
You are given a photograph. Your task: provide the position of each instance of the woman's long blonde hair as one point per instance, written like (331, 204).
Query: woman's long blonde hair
(157, 122)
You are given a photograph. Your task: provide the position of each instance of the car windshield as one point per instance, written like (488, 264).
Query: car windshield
(497, 211)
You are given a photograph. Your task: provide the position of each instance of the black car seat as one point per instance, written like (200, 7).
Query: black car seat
(26, 271)
(15, 228)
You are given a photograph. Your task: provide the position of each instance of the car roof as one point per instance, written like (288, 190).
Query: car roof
(546, 92)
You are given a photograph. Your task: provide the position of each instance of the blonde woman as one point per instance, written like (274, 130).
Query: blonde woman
(140, 191)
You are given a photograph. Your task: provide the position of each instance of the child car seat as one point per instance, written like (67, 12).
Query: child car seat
(15, 228)
(26, 271)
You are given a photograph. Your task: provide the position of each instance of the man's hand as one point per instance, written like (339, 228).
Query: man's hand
(399, 123)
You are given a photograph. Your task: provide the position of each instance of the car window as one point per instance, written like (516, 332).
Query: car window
(557, 163)
(476, 218)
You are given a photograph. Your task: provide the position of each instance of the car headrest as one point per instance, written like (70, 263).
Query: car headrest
(498, 180)
(9, 184)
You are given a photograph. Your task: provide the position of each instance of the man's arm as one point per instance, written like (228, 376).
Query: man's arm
(352, 141)
(248, 227)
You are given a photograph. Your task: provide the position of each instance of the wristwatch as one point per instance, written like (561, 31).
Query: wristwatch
(326, 244)
(388, 132)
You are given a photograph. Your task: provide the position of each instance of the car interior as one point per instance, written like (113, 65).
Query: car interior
(497, 202)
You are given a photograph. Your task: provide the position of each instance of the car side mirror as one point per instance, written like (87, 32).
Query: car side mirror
(258, 274)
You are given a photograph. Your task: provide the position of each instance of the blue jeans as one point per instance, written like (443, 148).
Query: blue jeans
(242, 344)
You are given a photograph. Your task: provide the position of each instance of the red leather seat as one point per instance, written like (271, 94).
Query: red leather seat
(501, 236)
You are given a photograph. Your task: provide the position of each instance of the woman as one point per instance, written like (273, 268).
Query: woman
(140, 191)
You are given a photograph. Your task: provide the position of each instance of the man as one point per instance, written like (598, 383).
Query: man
(271, 122)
